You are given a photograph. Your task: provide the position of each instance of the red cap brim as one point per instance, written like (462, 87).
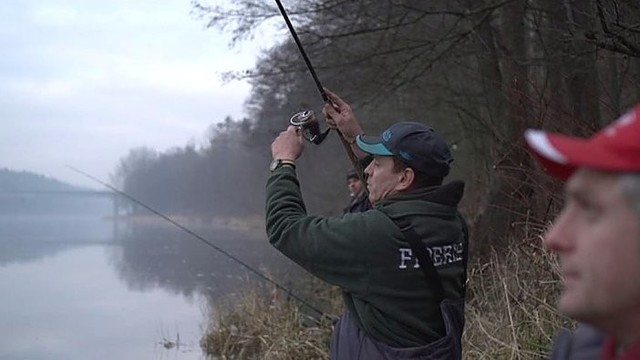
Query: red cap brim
(560, 155)
(615, 148)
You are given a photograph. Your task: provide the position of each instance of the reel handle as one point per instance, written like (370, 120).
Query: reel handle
(306, 121)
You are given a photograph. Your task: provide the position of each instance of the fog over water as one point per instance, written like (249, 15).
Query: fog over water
(78, 286)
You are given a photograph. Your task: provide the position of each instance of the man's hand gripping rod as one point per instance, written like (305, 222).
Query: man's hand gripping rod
(306, 120)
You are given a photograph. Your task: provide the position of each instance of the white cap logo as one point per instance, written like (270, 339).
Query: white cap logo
(625, 120)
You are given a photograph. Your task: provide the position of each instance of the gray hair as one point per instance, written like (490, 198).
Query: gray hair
(630, 188)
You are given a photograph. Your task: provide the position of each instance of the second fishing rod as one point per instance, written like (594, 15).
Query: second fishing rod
(202, 239)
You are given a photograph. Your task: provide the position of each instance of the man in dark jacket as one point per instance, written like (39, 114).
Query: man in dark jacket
(396, 307)
(358, 197)
(597, 237)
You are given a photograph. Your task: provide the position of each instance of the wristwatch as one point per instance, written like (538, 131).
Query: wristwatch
(276, 163)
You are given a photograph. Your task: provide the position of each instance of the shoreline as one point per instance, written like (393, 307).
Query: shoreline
(253, 224)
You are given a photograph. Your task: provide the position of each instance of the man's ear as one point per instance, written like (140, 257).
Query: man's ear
(407, 176)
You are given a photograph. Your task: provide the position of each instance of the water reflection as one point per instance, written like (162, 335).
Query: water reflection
(151, 256)
(77, 287)
(71, 306)
(25, 238)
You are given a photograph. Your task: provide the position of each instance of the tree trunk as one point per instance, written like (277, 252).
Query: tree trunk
(509, 190)
(581, 72)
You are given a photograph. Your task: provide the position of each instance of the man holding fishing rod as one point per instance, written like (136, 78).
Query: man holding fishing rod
(402, 265)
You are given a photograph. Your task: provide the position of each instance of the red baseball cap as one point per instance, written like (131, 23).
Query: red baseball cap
(614, 148)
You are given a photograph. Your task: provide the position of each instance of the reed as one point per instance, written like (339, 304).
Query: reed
(510, 313)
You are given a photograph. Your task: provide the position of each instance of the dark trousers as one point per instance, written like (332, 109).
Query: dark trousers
(349, 342)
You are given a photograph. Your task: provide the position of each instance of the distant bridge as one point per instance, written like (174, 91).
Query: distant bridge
(115, 197)
(58, 192)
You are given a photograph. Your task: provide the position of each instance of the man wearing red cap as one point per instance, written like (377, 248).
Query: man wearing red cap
(597, 234)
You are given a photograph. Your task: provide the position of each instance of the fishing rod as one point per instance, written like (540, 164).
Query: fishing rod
(202, 239)
(306, 120)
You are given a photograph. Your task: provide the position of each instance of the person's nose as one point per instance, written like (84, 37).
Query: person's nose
(368, 171)
(560, 236)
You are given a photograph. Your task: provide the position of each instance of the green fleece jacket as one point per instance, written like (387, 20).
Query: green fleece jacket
(367, 255)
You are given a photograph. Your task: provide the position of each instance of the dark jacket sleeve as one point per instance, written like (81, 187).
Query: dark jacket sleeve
(326, 247)
(585, 343)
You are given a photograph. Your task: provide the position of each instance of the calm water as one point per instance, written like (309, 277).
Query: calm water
(77, 287)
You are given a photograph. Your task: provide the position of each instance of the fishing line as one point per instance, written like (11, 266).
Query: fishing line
(202, 239)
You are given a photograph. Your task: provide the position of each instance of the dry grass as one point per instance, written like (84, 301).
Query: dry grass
(267, 325)
(510, 314)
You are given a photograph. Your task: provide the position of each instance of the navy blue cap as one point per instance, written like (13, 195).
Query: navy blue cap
(352, 174)
(415, 144)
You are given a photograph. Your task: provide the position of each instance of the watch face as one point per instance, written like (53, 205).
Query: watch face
(274, 164)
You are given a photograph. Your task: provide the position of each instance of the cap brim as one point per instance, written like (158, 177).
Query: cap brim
(372, 145)
(560, 155)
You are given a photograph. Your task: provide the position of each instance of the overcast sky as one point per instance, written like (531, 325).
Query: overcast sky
(84, 81)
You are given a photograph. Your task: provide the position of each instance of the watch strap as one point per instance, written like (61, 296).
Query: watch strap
(287, 162)
(278, 163)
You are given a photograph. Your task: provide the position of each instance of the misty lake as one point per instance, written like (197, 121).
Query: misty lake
(79, 286)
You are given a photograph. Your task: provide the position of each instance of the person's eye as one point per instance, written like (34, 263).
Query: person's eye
(590, 210)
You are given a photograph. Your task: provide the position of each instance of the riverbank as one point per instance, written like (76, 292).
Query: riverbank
(252, 224)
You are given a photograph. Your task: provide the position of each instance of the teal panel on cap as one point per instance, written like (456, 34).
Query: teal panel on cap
(375, 149)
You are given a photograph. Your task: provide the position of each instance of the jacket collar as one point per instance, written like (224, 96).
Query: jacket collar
(448, 194)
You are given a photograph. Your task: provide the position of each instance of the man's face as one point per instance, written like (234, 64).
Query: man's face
(597, 238)
(355, 186)
(382, 180)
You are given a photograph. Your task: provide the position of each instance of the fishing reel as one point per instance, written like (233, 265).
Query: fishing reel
(307, 123)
